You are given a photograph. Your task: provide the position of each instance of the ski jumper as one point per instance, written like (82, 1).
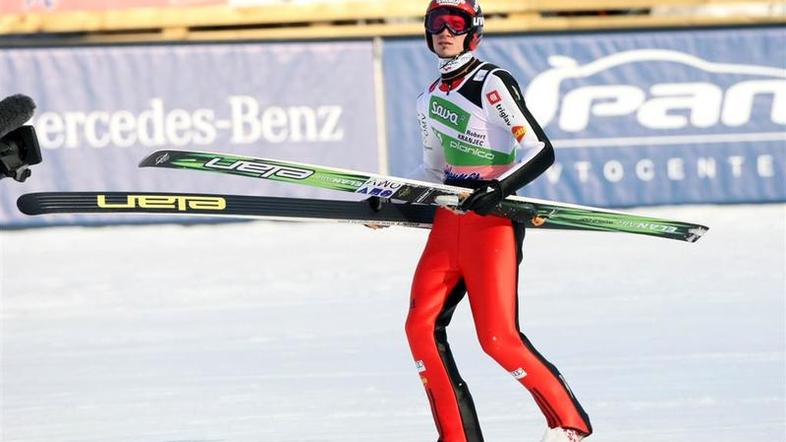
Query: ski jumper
(473, 121)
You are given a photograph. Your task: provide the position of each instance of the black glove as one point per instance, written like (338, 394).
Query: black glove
(484, 199)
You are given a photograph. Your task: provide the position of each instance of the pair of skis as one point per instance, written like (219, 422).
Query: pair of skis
(418, 199)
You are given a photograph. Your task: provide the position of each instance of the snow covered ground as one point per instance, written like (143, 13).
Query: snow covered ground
(294, 333)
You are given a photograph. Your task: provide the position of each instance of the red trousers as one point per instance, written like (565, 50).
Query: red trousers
(479, 255)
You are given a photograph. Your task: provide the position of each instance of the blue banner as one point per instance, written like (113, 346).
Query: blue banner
(637, 118)
(662, 117)
(102, 109)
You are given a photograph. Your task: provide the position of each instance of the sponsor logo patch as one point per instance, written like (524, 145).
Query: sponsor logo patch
(379, 187)
(450, 2)
(503, 114)
(448, 114)
(519, 373)
(493, 97)
(519, 132)
(421, 366)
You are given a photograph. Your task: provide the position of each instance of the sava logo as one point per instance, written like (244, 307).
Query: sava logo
(449, 114)
(181, 203)
(445, 113)
(260, 169)
(724, 94)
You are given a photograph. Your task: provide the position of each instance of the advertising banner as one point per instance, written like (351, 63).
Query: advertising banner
(25, 6)
(102, 109)
(637, 118)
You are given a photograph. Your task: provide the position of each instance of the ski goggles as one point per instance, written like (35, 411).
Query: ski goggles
(456, 22)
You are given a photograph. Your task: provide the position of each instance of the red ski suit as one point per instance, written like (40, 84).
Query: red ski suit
(479, 255)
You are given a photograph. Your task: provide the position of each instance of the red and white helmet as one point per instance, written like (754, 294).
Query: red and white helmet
(472, 25)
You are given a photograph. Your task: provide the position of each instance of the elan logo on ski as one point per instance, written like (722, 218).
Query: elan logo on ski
(181, 203)
(260, 169)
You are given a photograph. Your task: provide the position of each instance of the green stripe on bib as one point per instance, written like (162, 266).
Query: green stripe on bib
(459, 153)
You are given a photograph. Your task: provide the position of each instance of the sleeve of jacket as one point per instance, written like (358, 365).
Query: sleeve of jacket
(504, 104)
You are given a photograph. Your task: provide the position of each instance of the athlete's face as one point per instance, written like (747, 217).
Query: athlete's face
(447, 45)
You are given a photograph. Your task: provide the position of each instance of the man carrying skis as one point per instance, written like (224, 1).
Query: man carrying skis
(473, 120)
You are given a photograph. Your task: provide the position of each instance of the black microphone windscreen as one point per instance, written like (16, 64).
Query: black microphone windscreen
(14, 112)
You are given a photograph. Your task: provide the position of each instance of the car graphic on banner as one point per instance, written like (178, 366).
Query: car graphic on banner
(673, 103)
(709, 103)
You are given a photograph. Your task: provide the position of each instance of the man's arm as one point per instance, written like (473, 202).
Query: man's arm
(504, 104)
(537, 151)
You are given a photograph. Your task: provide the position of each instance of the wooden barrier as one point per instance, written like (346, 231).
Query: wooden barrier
(370, 18)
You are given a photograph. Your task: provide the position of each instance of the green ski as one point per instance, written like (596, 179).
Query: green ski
(537, 213)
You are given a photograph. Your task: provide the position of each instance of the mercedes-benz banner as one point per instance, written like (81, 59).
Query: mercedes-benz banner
(102, 109)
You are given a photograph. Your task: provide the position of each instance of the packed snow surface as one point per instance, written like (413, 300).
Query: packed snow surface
(289, 332)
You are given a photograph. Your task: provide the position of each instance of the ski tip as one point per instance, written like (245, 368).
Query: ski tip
(156, 158)
(28, 204)
(696, 233)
